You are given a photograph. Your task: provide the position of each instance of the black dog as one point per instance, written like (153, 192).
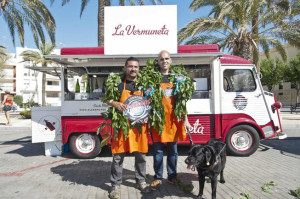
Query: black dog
(210, 161)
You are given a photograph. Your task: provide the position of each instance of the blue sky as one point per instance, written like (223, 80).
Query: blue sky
(73, 31)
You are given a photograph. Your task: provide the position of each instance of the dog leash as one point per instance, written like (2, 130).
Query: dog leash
(190, 136)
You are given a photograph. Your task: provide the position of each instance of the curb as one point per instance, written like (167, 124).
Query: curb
(15, 128)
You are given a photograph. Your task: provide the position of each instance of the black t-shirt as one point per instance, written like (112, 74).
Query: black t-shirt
(166, 79)
(129, 86)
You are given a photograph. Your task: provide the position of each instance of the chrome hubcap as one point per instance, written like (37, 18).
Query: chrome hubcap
(85, 143)
(241, 140)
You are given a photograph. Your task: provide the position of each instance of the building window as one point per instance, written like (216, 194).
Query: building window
(52, 94)
(52, 83)
(280, 93)
(25, 74)
(280, 86)
(293, 85)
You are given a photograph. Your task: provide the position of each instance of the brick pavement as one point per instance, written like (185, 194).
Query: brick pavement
(26, 173)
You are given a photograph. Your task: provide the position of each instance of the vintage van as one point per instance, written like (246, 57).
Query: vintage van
(229, 102)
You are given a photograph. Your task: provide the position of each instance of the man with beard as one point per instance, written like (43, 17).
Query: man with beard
(136, 142)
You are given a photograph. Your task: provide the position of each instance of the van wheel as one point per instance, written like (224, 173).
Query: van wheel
(242, 140)
(85, 145)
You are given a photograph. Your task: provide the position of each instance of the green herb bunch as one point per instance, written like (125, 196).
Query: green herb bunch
(185, 92)
(118, 121)
(147, 77)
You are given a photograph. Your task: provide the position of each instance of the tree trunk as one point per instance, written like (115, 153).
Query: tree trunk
(101, 4)
(254, 35)
(244, 50)
(44, 90)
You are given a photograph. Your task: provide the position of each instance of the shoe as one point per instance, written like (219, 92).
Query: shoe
(143, 187)
(155, 184)
(115, 192)
(173, 181)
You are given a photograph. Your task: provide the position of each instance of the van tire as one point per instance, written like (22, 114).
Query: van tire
(242, 140)
(85, 145)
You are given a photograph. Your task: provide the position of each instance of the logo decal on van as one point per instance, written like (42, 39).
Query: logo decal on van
(240, 102)
(197, 128)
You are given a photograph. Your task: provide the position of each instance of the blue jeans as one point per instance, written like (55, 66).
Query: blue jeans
(172, 156)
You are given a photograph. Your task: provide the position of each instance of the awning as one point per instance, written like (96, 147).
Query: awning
(119, 60)
(55, 71)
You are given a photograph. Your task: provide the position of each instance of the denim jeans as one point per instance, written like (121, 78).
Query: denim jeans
(172, 157)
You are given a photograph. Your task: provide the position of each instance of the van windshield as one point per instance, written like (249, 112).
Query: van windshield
(239, 80)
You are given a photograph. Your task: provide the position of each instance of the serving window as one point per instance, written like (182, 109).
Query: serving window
(202, 76)
(88, 83)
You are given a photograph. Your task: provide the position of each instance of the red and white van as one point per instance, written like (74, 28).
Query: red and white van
(229, 102)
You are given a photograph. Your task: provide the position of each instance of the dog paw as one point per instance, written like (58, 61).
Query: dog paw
(222, 181)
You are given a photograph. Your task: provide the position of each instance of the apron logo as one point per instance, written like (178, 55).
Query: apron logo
(168, 92)
(137, 108)
(240, 102)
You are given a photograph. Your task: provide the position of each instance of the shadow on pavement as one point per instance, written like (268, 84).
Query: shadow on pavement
(93, 173)
(28, 149)
(288, 145)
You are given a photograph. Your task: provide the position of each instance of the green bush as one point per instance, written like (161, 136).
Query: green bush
(26, 114)
(18, 99)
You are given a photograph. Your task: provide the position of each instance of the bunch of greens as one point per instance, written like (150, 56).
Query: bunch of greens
(185, 92)
(147, 77)
(118, 121)
(151, 76)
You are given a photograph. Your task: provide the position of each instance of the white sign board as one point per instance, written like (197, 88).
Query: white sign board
(140, 29)
(46, 124)
(83, 108)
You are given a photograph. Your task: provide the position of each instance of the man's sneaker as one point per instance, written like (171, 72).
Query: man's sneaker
(155, 184)
(115, 192)
(173, 181)
(143, 187)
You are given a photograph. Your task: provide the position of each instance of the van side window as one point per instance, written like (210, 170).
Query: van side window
(201, 73)
(237, 80)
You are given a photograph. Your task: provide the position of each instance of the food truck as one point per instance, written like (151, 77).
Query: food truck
(229, 102)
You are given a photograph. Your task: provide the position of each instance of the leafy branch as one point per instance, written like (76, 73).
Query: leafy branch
(268, 186)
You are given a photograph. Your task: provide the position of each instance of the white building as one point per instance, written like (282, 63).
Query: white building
(21, 80)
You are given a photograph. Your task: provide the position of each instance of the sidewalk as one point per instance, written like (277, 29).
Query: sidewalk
(16, 120)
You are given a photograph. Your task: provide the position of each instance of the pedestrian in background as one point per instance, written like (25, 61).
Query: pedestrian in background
(8, 104)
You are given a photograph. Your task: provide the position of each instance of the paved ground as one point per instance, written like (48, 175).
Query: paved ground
(26, 173)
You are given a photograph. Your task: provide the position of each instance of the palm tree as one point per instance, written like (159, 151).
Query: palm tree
(2, 51)
(101, 5)
(3, 58)
(39, 58)
(243, 25)
(34, 13)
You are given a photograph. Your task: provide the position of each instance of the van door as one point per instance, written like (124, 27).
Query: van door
(241, 95)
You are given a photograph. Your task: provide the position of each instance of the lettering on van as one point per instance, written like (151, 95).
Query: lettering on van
(132, 30)
(197, 128)
(240, 102)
